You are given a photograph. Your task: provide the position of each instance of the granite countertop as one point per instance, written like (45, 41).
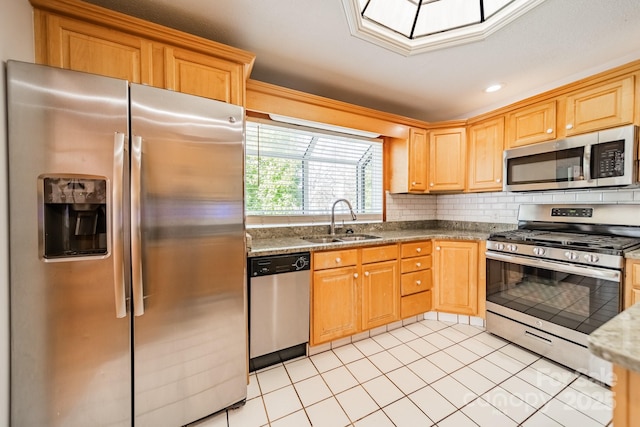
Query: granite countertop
(292, 244)
(618, 340)
(633, 254)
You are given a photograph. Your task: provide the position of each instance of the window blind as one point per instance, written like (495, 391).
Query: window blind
(298, 171)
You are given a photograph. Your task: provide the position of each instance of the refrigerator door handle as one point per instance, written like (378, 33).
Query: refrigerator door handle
(116, 212)
(136, 238)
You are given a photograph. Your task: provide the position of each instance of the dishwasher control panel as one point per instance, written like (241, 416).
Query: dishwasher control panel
(278, 264)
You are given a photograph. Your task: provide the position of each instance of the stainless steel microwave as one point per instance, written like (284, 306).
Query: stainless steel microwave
(608, 158)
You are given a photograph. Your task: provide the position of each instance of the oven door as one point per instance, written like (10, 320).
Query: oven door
(565, 300)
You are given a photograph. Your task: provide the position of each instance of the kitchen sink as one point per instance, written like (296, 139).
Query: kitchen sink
(340, 238)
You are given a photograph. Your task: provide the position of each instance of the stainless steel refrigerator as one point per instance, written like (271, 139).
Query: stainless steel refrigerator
(127, 252)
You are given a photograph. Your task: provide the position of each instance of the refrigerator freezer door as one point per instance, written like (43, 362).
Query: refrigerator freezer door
(190, 339)
(70, 344)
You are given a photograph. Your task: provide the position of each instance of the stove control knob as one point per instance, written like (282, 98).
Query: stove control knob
(500, 246)
(512, 248)
(571, 255)
(592, 258)
(539, 251)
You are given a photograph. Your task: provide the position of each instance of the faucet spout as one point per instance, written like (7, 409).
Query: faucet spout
(333, 214)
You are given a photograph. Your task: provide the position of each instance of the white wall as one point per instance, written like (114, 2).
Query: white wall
(498, 207)
(16, 42)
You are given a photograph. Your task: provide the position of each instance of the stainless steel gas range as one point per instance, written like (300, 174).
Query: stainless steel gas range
(558, 277)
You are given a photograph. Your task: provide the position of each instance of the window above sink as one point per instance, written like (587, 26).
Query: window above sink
(294, 174)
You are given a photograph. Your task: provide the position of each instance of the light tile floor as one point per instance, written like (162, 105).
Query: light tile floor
(423, 374)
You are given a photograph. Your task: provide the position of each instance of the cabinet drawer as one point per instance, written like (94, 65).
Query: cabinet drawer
(419, 281)
(416, 249)
(415, 264)
(415, 304)
(379, 253)
(334, 259)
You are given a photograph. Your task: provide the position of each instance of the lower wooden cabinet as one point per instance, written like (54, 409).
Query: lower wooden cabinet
(632, 282)
(353, 290)
(626, 389)
(416, 278)
(456, 274)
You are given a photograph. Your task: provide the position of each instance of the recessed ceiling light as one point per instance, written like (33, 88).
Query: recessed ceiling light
(493, 88)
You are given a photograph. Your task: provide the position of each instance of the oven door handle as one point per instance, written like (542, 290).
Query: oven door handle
(596, 273)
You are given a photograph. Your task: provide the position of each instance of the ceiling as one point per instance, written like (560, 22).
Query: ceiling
(306, 45)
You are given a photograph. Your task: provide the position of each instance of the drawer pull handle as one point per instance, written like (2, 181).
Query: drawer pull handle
(338, 260)
(418, 282)
(418, 264)
(355, 275)
(366, 273)
(418, 250)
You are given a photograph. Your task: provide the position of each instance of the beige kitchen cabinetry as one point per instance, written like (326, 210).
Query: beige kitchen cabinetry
(83, 37)
(486, 144)
(353, 290)
(456, 277)
(626, 389)
(416, 278)
(531, 124)
(447, 159)
(380, 286)
(603, 106)
(631, 282)
(335, 300)
(409, 173)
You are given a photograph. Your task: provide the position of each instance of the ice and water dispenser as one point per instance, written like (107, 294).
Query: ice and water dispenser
(75, 217)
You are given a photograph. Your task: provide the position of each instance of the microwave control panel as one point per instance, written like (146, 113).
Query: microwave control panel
(608, 159)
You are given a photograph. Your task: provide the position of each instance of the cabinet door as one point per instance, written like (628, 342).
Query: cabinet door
(447, 159)
(85, 47)
(335, 302)
(631, 283)
(601, 107)
(417, 160)
(380, 294)
(203, 75)
(529, 125)
(456, 276)
(486, 143)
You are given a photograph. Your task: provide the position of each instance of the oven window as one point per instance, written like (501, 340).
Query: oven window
(555, 166)
(570, 300)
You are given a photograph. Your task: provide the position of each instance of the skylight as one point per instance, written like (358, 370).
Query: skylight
(409, 27)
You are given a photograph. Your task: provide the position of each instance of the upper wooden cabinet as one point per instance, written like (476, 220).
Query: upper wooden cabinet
(531, 124)
(447, 159)
(600, 107)
(80, 36)
(409, 164)
(486, 144)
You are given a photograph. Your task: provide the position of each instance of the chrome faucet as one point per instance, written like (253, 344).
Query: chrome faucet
(333, 214)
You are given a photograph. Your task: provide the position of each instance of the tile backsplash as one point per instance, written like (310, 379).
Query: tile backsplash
(497, 207)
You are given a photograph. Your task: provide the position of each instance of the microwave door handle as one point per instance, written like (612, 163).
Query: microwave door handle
(596, 273)
(136, 236)
(586, 167)
(117, 251)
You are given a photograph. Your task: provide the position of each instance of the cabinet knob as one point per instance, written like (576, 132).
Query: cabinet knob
(366, 273)
(549, 130)
(431, 184)
(418, 282)
(498, 180)
(418, 264)
(418, 250)
(437, 248)
(413, 183)
(569, 126)
(355, 275)
(338, 260)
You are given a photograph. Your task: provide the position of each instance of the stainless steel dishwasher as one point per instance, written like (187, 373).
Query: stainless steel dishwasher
(278, 308)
